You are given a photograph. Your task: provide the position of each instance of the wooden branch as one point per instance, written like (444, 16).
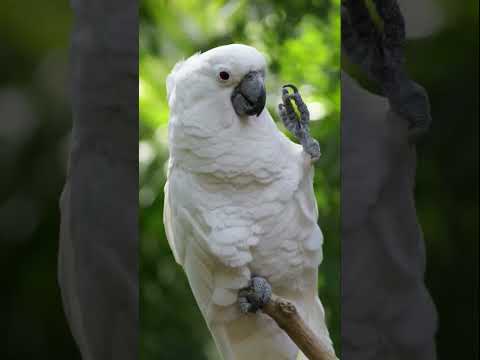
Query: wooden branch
(286, 316)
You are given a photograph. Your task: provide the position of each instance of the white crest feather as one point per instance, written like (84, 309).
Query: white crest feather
(170, 82)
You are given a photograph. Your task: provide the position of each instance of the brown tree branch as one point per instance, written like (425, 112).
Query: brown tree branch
(288, 319)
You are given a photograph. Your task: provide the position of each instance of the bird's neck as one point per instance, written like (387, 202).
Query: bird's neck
(246, 146)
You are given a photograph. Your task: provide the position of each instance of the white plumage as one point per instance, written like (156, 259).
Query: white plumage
(239, 201)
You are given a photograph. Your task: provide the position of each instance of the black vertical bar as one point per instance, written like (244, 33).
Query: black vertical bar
(98, 265)
(387, 312)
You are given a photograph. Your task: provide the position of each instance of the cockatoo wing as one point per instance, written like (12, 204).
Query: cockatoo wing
(213, 257)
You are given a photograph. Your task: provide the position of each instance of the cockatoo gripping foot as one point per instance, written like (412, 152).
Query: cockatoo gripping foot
(255, 296)
(298, 125)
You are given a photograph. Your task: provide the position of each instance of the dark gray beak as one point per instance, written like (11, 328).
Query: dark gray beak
(249, 97)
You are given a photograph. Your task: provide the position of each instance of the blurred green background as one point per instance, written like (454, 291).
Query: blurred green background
(301, 40)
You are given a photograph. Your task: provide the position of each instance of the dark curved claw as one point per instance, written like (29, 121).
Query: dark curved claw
(291, 86)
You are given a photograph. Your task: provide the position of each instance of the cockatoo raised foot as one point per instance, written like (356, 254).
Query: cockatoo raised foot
(379, 52)
(298, 125)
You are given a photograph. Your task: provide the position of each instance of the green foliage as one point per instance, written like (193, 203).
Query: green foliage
(301, 40)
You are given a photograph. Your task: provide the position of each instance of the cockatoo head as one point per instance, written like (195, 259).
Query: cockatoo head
(227, 79)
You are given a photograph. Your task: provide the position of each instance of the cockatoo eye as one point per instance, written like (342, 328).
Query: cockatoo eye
(224, 75)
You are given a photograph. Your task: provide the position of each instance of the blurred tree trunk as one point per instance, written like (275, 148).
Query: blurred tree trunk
(98, 266)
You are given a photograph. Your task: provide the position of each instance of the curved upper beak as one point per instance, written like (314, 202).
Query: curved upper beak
(249, 97)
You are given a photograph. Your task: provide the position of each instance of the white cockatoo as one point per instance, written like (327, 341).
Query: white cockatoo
(239, 200)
